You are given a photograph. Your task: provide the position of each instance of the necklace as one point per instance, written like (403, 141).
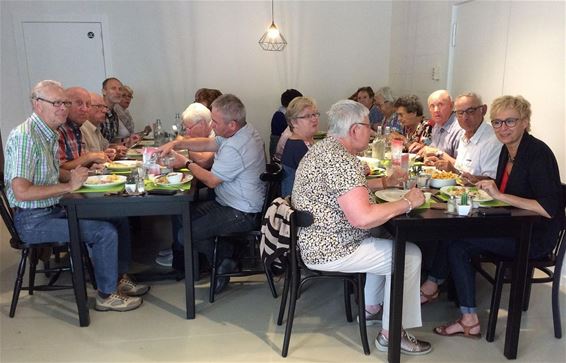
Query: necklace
(512, 159)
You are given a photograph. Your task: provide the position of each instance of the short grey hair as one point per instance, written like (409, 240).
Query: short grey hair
(343, 114)
(231, 108)
(37, 90)
(197, 112)
(472, 95)
(386, 93)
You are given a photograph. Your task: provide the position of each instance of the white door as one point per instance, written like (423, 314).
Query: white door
(478, 48)
(69, 52)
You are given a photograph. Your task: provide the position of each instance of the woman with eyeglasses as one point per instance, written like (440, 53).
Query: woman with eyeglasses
(302, 117)
(527, 178)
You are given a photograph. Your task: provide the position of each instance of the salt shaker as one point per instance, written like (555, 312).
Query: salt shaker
(451, 205)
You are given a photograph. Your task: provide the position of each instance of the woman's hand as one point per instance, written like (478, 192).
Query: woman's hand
(490, 187)
(416, 197)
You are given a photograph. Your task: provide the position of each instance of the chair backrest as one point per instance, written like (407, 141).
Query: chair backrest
(272, 177)
(560, 249)
(298, 219)
(6, 212)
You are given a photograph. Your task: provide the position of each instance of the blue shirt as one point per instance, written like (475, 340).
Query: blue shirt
(239, 161)
(278, 122)
(447, 137)
(292, 155)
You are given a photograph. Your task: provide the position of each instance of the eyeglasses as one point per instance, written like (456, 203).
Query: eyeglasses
(510, 122)
(100, 106)
(469, 111)
(57, 103)
(310, 115)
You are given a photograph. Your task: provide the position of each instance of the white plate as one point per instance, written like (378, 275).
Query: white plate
(104, 181)
(162, 181)
(478, 195)
(391, 195)
(122, 164)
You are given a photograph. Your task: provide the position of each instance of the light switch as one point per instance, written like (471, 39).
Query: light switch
(436, 73)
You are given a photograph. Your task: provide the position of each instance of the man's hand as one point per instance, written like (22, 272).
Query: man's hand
(110, 153)
(179, 160)
(445, 165)
(121, 150)
(415, 147)
(134, 138)
(78, 177)
(98, 157)
(167, 148)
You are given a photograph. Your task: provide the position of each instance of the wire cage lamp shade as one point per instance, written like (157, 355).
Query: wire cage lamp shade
(272, 39)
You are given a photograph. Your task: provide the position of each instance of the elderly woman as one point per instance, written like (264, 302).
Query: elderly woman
(385, 101)
(416, 129)
(206, 96)
(365, 96)
(527, 178)
(302, 117)
(330, 183)
(198, 123)
(126, 123)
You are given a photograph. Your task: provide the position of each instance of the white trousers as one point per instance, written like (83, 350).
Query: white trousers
(374, 257)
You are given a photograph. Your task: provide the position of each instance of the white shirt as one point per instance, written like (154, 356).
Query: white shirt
(480, 154)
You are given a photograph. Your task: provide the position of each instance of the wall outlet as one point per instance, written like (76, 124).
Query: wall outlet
(436, 73)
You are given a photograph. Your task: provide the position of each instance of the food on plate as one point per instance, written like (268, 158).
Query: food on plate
(473, 192)
(122, 165)
(104, 179)
(442, 174)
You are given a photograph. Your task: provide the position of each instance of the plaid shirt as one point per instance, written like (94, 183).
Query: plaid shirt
(71, 144)
(31, 152)
(109, 128)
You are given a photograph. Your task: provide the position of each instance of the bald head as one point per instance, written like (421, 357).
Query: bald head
(80, 104)
(97, 113)
(440, 106)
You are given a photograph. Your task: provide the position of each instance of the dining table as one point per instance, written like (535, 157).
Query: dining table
(429, 224)
(102, 205)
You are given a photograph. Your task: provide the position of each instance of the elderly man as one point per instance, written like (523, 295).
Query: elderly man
(446, 132)
(238, 162)
(92, 136)
(72, 151)
(35, 183)
(478, 151)
(330, 184)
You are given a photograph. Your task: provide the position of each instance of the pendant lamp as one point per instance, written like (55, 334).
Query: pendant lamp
(272, 39)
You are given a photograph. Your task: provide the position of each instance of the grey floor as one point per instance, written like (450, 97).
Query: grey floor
(239, 326)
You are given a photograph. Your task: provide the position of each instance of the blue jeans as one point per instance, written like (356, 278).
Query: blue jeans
(460, 254)
(101, 237)
(209, 219)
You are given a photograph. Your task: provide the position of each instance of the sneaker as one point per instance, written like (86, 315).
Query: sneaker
(116, 302)
(372, 319)
(166, 252)
(409, 344)
(129, 288)
(165, 261)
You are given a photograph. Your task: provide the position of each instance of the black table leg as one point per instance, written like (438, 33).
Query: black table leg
(517, 293)
(189, 280)
(396, 298)
(78, 268)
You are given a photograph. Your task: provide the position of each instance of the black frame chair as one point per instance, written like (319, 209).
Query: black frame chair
(32, 251)
(554, 259)
(294, 282)
(272, 177)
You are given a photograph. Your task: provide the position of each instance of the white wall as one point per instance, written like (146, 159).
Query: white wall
(533, 66)
(167, 50)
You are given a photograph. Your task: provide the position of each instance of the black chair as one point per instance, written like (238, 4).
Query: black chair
(297, 274)
(33, 251)
(250, 259)
(503, 265)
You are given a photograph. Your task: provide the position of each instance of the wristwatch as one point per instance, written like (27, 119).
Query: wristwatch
(189, 162)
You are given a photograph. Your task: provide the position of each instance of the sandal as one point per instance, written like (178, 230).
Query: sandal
(429, 298)
(441, 330)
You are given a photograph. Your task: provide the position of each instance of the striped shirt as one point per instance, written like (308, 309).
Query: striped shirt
(31, 153)
(71, 144)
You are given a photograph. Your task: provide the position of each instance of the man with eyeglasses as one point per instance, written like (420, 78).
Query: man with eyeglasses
(72, 150)
(92, 136)
(446, 132)
(478, 151)
(34, 184)
(239, 193)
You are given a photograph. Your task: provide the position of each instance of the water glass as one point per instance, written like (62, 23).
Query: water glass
(423, 181)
